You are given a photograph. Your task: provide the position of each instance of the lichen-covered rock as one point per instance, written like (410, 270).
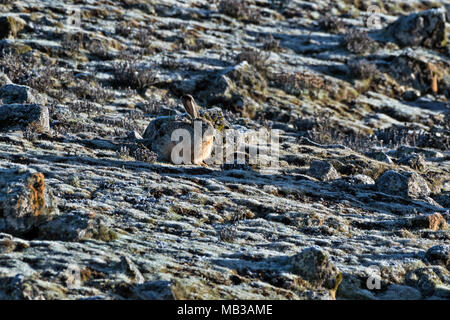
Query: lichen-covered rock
(399, 292)
(25, 202)
(322, 170)
(379, 155)
(313, 265)
(425, 29)
(22, 115)
(154, 290)
(231, 88)
(403, 183)
(439, 254)
(414, 161)
(13, 93)
(76, 226)
(404, 151)
(425, 280)
(10, 26)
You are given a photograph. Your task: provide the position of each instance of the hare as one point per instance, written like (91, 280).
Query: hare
(159, 132)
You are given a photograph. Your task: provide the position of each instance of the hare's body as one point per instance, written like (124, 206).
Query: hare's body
(159, 134)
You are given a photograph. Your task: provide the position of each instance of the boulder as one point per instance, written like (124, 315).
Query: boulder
(22, 115)
(14, 93)
(322, 170)
(439, 254)
(426, 29)
(25, 201)
(314, 266)
(403, 183)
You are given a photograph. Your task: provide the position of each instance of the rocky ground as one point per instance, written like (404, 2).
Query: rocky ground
(357, 209)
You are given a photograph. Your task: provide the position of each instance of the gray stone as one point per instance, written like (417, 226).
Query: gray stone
(361, 179)
(399, 292)
(403, 183)
(22, 115)
(14, 93)
(379, 155)
(414, 161)
(313, 265)
(426, 28)
(76, 226)
(4, 80)
(322, 170)
(439, 254)
(25, 200)
(154, 290)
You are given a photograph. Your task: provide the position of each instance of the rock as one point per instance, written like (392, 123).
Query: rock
(4, 80)
(154, 290)
(22, 115)
(404, 151)
(231, 87)
(25, 201)
(439, 254)
(131, 270)
(313, 265)
(426, 28)
(414, 161)
(411, 95)
(403, 183)
(424, 279)
(432, 221)
(134, 135)
(399, 292)
(322, 170)
(10, 26)
(361, 179)
(14, 93)
(76, 226)
(351, 288)
(379, 155)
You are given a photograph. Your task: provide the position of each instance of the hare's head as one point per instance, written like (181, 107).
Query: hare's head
(190, 105)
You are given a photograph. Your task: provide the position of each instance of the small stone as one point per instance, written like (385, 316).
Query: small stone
(322, 170)
(411, 95)
(134, 135)
(403, 183)
(313, 265)
(361, 179)
(439, 254)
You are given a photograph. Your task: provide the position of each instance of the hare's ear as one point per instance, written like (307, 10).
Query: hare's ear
(190, 106)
